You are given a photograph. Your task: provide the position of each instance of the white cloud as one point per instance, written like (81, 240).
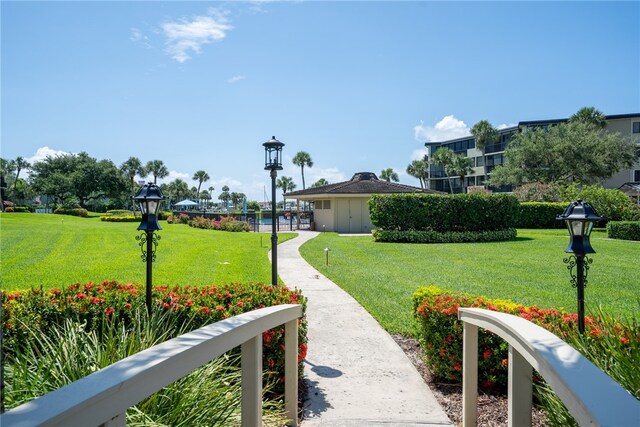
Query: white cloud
(191, 35)
(504, 126)
(139, 38)
(44, 152)
(419, 153)
(235, 79)
(447, 128)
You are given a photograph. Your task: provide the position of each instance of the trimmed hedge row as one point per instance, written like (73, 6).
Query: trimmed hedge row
(624, 230)
(429, 236)
(459, 212)
(72, 211)
(540, 215)
(113, 218)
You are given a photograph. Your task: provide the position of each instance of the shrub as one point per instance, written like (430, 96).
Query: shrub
(613, 204)
(119, 212)
(72, 211)
(624, 230)
(9, 209)
(7, 203)
(97, 306)
(128, 218)
(540, 215)
(428, 236)
(537, 192)
(459, 212)
(163, 215)
(226, 223)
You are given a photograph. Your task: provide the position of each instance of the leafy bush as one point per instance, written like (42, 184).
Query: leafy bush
(96, 307)
(226, 223)
(610, 344)
(7, 203)
(613, 204)
(537, 192)
(459, 212)
(178, 219)
(72, 211)
(163, 215)
(624, 230)
(9, 209)
(428, 236)
(113, 218)
(119, 212)
(540, 215)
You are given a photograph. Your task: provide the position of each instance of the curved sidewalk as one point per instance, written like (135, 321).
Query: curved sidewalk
(355, 372)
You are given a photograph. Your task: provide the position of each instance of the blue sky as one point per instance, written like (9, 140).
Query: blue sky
(358, 85)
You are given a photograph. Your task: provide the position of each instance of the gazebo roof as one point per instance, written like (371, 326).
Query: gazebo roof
(361, 183)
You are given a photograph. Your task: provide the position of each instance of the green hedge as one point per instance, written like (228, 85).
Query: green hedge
(624, 230)
(72, 211)
(129, 218)
(429, 236)
(443, 213)
(540, 215)
(18, 209)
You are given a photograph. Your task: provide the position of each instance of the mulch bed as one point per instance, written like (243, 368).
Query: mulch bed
(492, 407)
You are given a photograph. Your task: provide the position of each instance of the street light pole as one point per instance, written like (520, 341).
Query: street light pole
(274, 234)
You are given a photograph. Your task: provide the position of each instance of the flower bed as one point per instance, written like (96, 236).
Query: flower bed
(95, 305)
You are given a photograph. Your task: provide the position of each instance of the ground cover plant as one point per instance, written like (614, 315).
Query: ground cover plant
(57, 336)
(528, 271)
(54, 250)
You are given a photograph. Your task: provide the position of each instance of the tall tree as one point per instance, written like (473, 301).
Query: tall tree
(389, 175)
(590, 115)
(286, 184)
(20, 164)
(225, 196)
(443, 157)
(565, 153)
(157, 169)
(461, 166)
(484, 134)
(418, 169)
(320, 183)
(178, 189)
(200, 176)
(302, 159)
(7, 167)
(130, 168)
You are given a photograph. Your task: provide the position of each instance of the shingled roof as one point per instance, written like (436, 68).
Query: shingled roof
(361, 183)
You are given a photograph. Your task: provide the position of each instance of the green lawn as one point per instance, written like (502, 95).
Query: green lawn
(382, 276)
(59, 250)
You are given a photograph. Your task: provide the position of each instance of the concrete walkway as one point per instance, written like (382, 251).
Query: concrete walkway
(356, 373)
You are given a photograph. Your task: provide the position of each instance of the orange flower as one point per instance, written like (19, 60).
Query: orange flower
(109, 311)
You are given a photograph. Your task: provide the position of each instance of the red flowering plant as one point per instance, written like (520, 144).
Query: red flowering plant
(440, 333)
(92, 305)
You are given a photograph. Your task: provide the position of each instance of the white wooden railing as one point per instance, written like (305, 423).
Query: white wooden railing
(102, 398)
(591, 396)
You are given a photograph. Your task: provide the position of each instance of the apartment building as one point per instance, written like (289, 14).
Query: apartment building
(626, 124)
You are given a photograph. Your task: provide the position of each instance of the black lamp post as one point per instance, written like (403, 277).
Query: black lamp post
(273, 162)
(149, 197)
(580, 218)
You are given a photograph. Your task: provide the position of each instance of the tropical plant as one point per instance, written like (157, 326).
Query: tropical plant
(419, 169)
(7, 167)
(389, 175)
(200, 176)
(462, 166)
(130, 168)
(20, 164)
(286, 184)
(319, 183)
(157, 169)
(443, 157)
(225, 196)
(590, 115)
(484, 134)
(302, 159)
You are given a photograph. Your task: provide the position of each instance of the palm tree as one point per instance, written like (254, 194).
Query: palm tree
(20, 163)
(302, 159)
(484, 134)
(200, 176)
(320, 183)
(130, 168)
(157, 169)
(443, 157)
(286, 184)
(462, 166)
(418, 169)
(179, 187)
(389, 175)
(225, 196)
(7, 167)
(590, 115)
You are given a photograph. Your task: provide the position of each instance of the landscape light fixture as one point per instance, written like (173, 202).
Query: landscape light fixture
(580, 218)
(149, 198)
(273, 163)
(327, 250)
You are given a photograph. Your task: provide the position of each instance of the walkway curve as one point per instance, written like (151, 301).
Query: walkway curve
(355, 372)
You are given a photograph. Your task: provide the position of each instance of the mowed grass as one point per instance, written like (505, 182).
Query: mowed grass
(530, 271)
(55, 250)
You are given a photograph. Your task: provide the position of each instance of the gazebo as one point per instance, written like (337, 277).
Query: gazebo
(343, 207)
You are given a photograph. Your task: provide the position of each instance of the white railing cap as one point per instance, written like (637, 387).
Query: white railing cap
(591, 396)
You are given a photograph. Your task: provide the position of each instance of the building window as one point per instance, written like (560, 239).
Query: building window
(326, 204)
(636, 127)
(636, 176)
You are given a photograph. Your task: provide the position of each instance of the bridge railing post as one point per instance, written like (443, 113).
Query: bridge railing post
(469, 375)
